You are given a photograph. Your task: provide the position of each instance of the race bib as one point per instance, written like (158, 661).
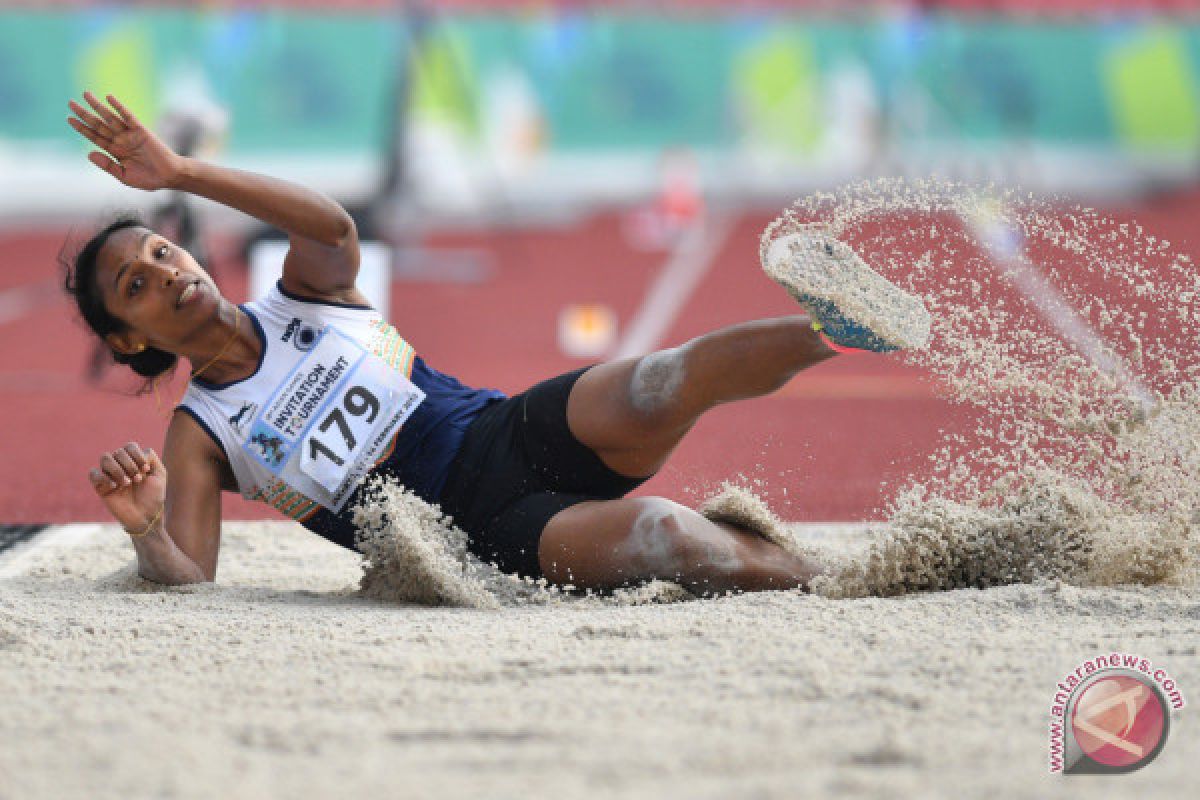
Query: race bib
(331, 419)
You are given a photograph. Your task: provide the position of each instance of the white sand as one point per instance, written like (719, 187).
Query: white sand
(280, 681)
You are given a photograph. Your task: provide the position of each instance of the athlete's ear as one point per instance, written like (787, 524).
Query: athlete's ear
(127, 344)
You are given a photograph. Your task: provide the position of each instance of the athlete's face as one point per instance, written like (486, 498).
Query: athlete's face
(154, 287)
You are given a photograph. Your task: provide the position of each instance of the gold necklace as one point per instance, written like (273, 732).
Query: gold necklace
(237, 315)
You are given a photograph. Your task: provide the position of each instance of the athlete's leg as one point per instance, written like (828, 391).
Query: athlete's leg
(610, 543)
(634, 412)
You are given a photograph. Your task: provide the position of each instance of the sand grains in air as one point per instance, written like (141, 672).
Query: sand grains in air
(1071, 335)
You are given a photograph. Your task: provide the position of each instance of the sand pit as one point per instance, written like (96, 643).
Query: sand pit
(281, 681)
(1063, 527)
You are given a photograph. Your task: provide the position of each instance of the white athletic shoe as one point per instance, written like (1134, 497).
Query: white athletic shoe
(850, 303)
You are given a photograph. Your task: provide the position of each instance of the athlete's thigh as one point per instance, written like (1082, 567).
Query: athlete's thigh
(602, 415)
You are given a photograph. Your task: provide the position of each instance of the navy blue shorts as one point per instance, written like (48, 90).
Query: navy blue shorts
(518, 466)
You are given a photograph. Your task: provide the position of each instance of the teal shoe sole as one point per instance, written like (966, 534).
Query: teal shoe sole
(855, 306)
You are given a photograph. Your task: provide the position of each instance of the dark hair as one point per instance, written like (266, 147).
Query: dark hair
(81, 284)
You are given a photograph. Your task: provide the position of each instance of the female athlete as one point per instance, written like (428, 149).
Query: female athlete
(296, 398)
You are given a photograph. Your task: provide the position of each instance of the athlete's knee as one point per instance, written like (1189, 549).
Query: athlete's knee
(669, 540)
(656, 386)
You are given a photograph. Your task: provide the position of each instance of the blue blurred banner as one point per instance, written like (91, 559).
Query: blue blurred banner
(288, 80)
(304, 80)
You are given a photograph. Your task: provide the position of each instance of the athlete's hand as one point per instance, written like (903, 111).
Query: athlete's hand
(132, 483)
(129, 151)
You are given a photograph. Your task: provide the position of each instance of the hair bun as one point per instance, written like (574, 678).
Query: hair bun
(149, 363)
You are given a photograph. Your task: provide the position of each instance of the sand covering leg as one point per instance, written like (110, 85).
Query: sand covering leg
(738, 506)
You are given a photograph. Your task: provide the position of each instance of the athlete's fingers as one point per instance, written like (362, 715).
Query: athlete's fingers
(105, 162)
(156, 467)
(113, 470)
(87, 133)
(101, 482)
(91, 120)
(111, 120)
(126, 461)
(139, 458)
(87, 117)
(115, 475)
(125, 113)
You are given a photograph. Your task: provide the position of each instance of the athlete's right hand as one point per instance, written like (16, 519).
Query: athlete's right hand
(129, 151)
(133, 484)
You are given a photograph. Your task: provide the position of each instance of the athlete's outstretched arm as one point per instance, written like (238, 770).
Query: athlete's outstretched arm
(324, 252)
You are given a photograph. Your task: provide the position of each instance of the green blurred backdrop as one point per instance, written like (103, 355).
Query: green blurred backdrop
(294, 81)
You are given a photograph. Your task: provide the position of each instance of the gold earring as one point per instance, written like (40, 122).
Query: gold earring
(141, 347)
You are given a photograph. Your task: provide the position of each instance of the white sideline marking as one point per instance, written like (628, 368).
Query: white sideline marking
(1007, 248)
(22, 300)
(17, 558)
(679, 277)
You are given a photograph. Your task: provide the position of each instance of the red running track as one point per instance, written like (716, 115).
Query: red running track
(826, 447)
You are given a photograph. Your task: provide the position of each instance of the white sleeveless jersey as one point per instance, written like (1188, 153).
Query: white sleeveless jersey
(323, 407)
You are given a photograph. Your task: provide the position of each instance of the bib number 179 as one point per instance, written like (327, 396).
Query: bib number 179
(358, 402)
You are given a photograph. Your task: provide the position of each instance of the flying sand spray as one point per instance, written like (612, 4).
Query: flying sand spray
(1069, 334)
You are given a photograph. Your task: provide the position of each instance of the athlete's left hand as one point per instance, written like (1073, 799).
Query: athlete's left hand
(129, 151)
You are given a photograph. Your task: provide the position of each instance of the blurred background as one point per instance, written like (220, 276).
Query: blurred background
(549, 184)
